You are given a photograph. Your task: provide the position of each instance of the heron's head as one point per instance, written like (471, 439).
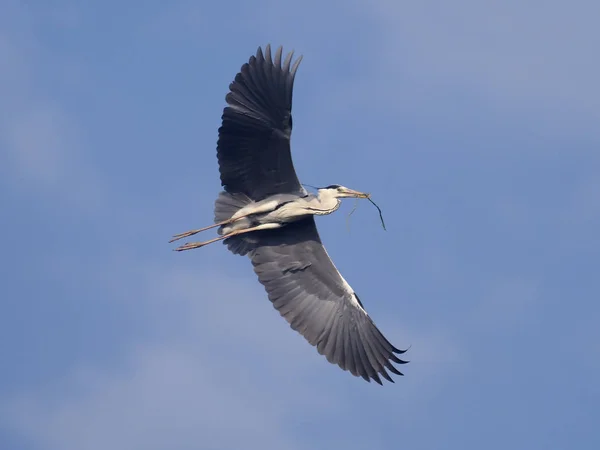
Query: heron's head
(337, 191)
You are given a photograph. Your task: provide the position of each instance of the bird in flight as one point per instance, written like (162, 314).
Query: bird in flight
(265, 213)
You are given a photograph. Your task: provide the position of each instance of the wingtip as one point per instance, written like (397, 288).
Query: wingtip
(258, 57)
(278, 54)
(385, 375)
(400, 352)
(266, 55)
(294, 68)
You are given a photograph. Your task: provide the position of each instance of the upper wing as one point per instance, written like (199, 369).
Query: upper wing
(307, 289)
(254, 139)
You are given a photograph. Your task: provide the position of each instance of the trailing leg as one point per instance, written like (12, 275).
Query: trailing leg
(264, 226)
(227, 205)
(218, 224)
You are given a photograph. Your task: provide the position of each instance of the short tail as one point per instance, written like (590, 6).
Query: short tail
(226, 205)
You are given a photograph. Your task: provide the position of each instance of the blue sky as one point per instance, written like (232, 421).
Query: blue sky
(473, 124)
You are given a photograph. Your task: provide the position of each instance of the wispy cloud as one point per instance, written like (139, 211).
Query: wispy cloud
(39, 142)
(218, 366)
(192, 387)
(452, 114)
(165, 396)
(45, 150)
(508, 51)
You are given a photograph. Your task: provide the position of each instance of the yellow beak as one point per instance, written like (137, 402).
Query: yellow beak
(354, 194)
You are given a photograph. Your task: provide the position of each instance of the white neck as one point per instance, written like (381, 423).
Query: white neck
(328, 202)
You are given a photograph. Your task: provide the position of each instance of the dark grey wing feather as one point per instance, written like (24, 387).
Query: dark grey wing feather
(309, 292)
(254, 139)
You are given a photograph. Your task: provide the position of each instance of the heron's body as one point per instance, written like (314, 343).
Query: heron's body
(278, 210)
(264, 213)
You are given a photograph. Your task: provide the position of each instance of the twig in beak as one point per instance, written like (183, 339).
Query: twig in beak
(380, 214)
(351, 212)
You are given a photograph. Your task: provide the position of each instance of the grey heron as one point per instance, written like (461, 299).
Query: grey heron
(265, 213)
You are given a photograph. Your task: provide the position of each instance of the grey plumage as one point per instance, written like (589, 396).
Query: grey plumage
(309, 292)
(254, 139)
(264, 213)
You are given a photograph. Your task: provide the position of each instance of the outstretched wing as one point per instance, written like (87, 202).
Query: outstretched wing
(254, 139)
(310, 293)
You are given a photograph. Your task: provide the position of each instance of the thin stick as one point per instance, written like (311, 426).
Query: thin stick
(351, 212)
(380, 214)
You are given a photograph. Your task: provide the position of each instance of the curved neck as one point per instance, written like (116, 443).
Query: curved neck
(327, 203)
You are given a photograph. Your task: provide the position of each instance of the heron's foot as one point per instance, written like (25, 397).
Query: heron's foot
(191, 245)
(199, 230)
(184, 235)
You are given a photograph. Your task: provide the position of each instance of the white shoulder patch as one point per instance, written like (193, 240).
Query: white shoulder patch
(347, 287)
